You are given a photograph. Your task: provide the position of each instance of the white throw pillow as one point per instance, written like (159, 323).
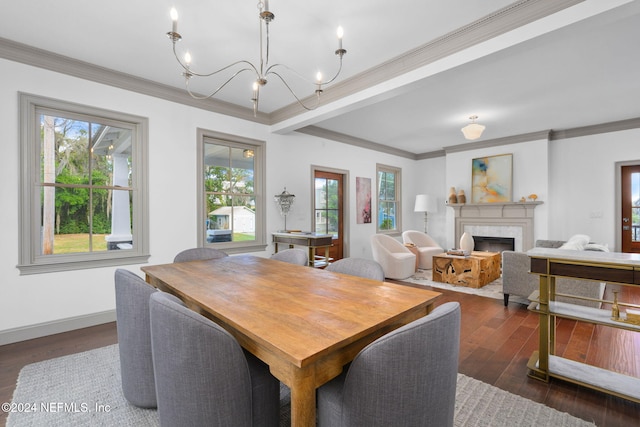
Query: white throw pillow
(573, 246)
(596, 247)
(576, 242)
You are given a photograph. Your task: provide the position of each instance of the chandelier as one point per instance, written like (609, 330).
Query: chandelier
(261, 71)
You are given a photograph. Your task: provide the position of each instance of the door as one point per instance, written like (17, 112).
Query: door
(328, 209)
(630, 209)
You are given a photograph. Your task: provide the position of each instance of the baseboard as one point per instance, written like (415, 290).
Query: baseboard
(49, 328)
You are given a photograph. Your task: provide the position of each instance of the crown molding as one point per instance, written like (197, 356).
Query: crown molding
(595, 129)
(501, 21)
(352, 140)
(431, 155)
(40, 58)
(515, 139)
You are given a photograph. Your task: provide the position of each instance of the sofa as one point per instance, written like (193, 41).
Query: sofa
(516, 279)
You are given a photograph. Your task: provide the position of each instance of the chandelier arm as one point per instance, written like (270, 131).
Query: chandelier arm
(193, 73)
(296, 96)
(270, 71)
(195, 96)
(335, 76)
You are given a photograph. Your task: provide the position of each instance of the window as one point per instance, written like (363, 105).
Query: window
(231, 208)
(389, 199)
(83, 186)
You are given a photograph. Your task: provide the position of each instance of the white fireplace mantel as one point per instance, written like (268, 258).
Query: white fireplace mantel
(510, 214)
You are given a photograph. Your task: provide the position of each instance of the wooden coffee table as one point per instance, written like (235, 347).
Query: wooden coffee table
(474, 271)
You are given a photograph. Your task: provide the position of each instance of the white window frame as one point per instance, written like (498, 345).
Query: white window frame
(31, 261)
(398, 199)
(259, 180)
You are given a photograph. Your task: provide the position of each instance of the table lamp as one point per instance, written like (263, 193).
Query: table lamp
(425, 203)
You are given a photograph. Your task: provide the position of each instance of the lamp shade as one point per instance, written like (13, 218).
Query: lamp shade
(425, 203)
(472, 131)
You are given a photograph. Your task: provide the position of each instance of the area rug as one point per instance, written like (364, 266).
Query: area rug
(490, 290)
(84, 389)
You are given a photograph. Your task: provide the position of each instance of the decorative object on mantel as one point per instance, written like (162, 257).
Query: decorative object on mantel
(466, 242)
(261, 71)
(452, 196)
(491, 179)
(462, 198)
(284, 201)
(473, 130)
(425, 203)
(522, 199)
(533, 196)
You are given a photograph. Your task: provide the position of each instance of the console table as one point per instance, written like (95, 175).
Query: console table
(621, 268)
(311, 240)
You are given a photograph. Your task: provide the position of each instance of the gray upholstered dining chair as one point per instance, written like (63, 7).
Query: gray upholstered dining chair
(134, 338)
(405, 378)
(203, 377)
(195, 254)
(358, 267)
(292, 256)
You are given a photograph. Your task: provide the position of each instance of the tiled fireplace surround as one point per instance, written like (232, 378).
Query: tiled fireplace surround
(497, 220)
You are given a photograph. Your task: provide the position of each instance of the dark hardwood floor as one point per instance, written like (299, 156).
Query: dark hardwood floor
(496, 342)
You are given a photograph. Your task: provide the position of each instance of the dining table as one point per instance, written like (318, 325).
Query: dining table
(305, 323)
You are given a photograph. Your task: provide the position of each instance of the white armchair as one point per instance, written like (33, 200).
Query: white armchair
(426, 246)
(396, 260)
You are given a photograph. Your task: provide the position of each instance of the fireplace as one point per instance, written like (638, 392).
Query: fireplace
(493, 244)
(510, 219)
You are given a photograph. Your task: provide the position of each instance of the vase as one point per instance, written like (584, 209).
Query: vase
(466, 242)
(462, 198)
(452, 196)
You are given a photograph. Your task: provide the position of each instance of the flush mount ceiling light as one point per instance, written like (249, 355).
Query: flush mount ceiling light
(261, 71)
(473, 130)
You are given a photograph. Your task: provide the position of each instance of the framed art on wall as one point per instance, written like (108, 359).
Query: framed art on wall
(491, 179)
(363, 200)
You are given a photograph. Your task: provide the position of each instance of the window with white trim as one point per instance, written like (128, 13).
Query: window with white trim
(389, 199)
(231, 208)
(83, 187)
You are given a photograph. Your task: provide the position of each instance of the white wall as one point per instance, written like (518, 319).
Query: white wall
(44, 299)
(290, 159)
(530, 175)
(583, 193)
(429, 179)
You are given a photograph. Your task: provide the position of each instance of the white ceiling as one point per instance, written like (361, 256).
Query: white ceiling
(575, 68)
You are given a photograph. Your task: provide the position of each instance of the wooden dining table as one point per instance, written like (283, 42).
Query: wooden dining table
(305, 323)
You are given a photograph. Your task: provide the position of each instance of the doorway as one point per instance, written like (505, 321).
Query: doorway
(328, 208)
(630, 208)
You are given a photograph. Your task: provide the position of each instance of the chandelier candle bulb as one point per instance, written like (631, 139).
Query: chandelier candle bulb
(340, 33)
(174, 19)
